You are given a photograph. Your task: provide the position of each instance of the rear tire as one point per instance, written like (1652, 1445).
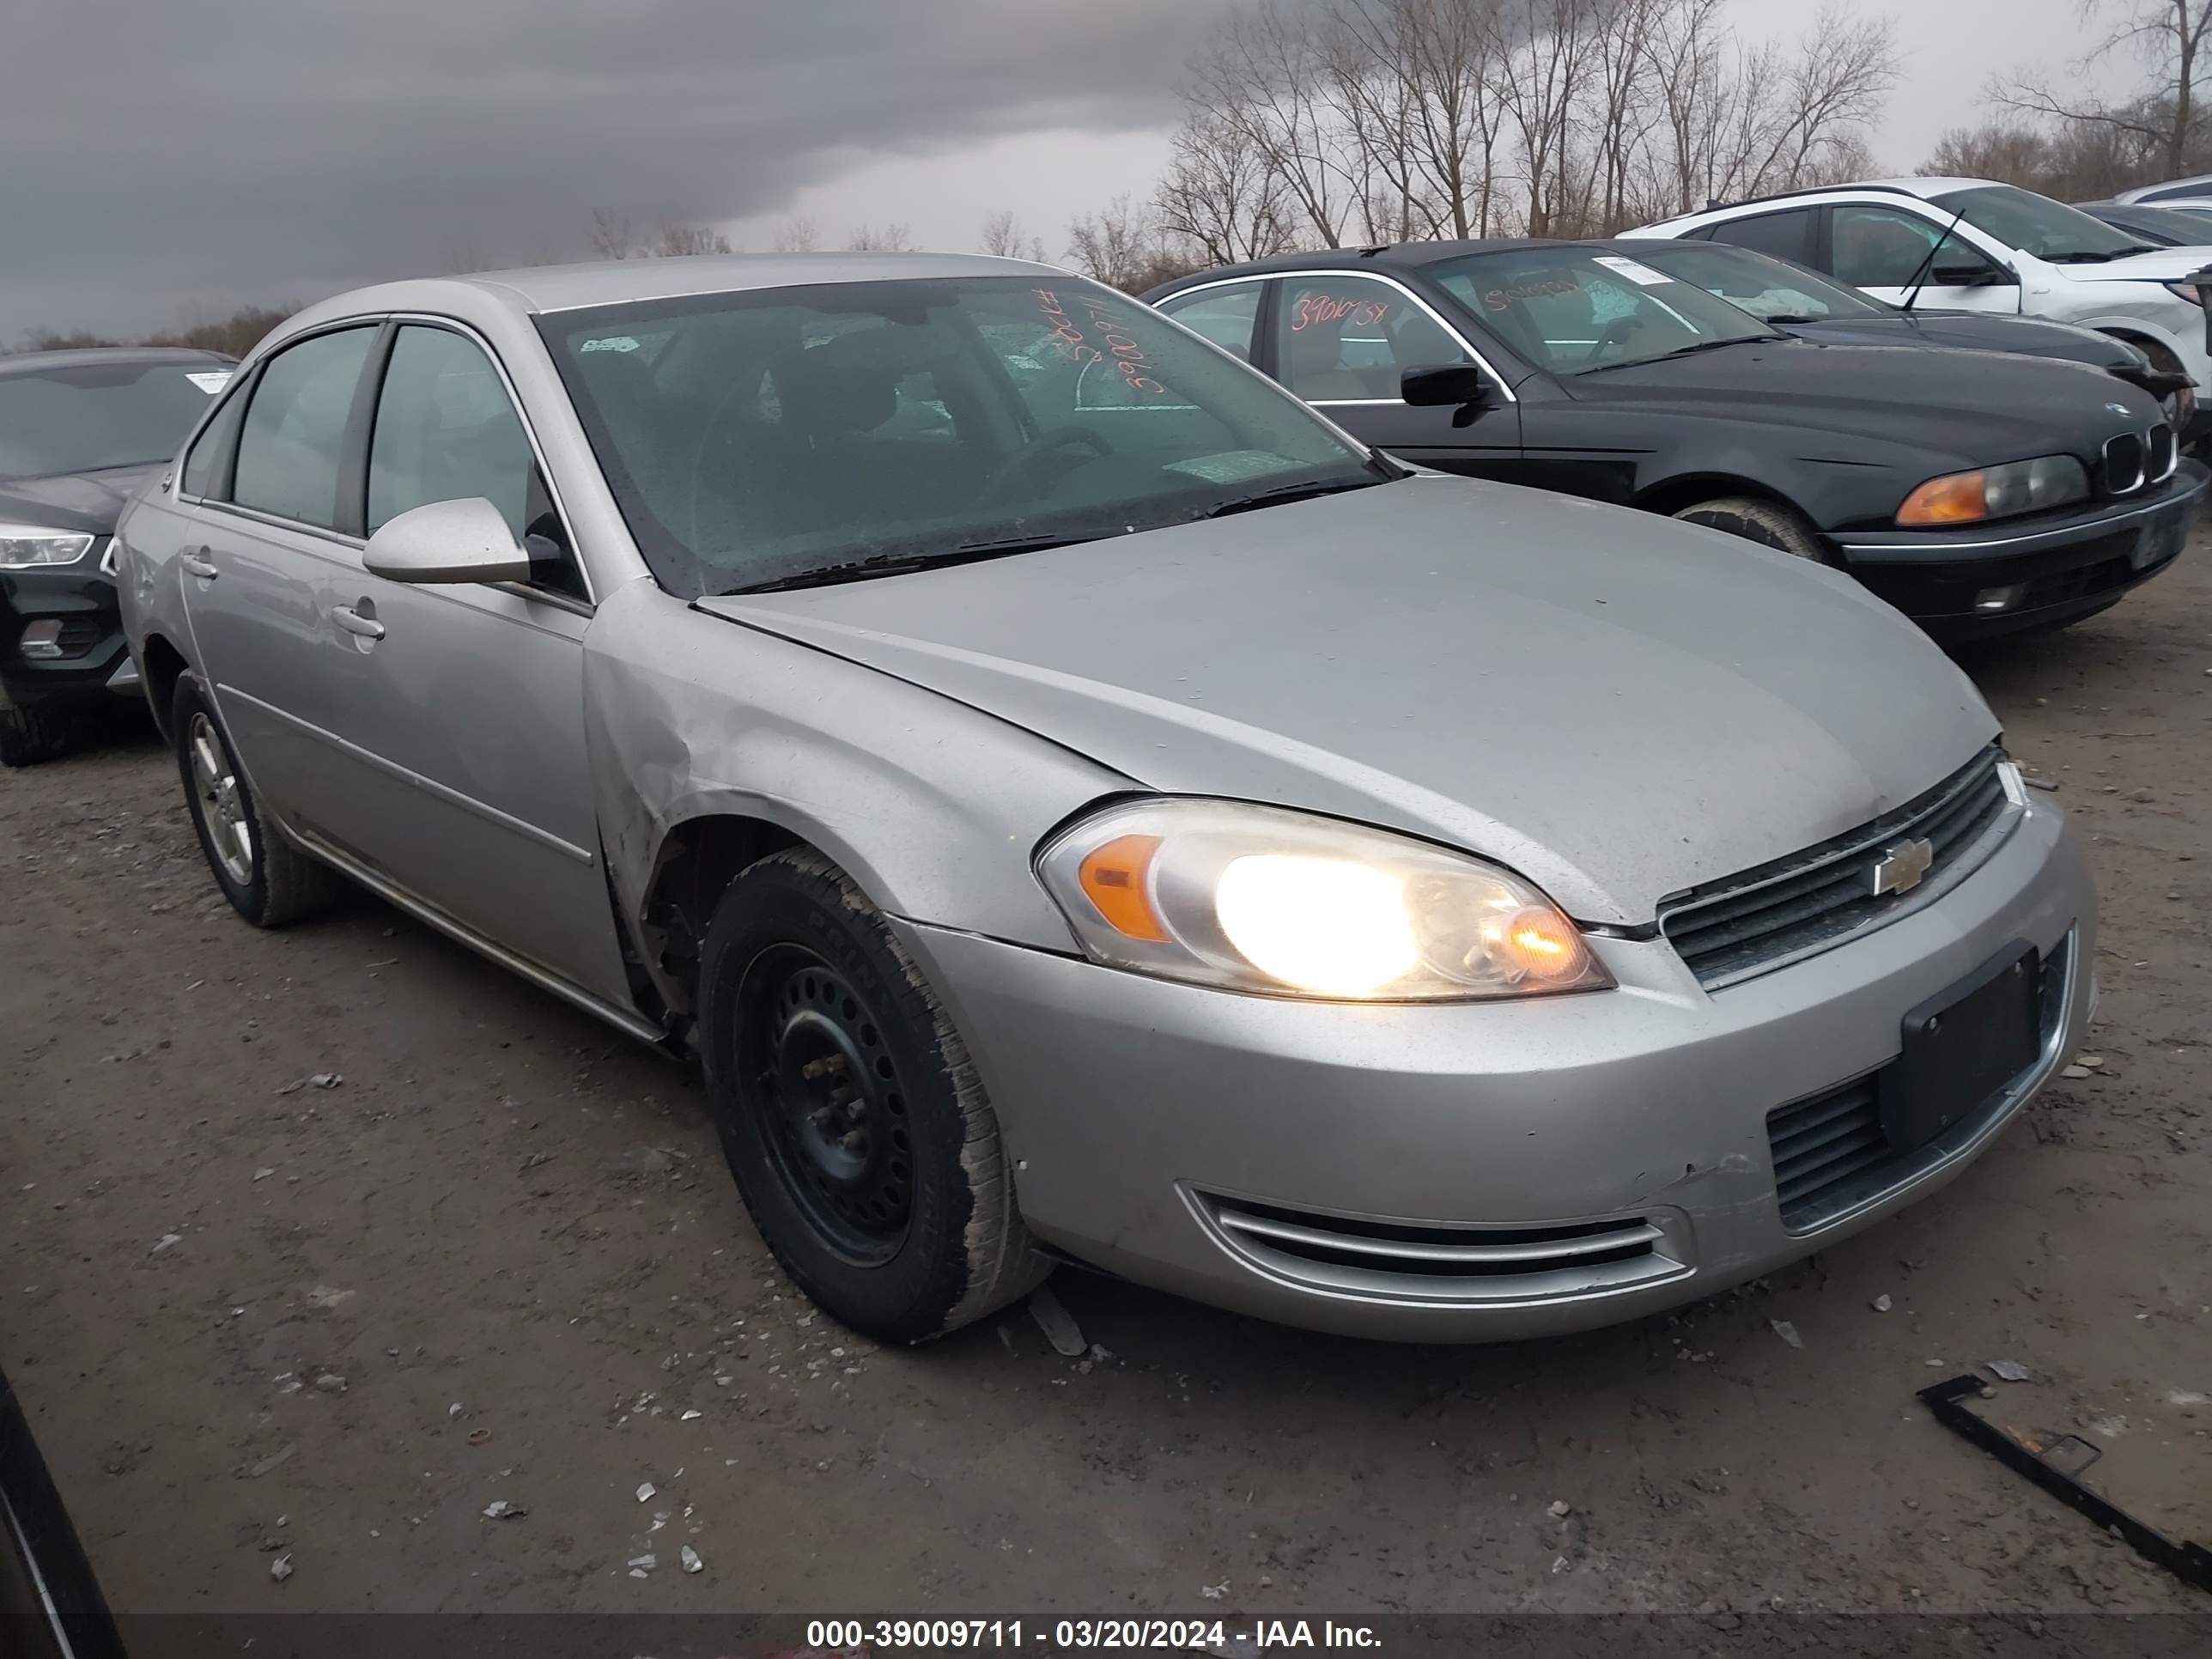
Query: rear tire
(28, 736)
(267, 880)
(1768, 523)
(851, 1114)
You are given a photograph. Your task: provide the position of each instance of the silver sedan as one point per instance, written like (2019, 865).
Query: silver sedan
(1078, 804)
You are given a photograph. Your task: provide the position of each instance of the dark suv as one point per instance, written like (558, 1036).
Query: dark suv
(79, 432)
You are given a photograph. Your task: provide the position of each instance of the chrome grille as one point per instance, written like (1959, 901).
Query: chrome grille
(1427, 1262)
(1830, 1153)
(2124, 464)
(2164, 454)
(1728, 929)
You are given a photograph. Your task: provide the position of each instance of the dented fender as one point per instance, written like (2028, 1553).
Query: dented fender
(933, 808)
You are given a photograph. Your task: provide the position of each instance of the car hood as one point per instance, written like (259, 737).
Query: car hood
(1992, 407)
(1969, 331)
(1618, 705)
(74, 501)
(2165, 264)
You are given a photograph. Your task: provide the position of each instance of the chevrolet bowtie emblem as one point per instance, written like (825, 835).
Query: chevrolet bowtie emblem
(1899, 870)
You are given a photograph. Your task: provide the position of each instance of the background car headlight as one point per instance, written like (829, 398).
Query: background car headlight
(1996, 492)
(1256, 898)
(23, 546)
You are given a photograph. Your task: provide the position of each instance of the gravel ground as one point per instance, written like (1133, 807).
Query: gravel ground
(500, 1260)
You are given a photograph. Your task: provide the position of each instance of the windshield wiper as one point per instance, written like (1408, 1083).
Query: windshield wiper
(1682, 351)
(899, 564)
(1282, 493)
(2087, 257)
(1785, 322)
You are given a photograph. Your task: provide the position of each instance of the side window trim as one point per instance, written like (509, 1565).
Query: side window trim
(361, 419)
(239, 391)
(250, 389)
(381, 360)
(1272, 304)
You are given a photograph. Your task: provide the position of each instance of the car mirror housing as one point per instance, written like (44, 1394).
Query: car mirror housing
(1461, 387)
(458, 541)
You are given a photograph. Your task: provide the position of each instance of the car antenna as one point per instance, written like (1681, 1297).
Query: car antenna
(1926, 267)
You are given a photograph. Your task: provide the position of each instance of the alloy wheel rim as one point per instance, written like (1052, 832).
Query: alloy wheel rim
(222, 802)
(832, 1102)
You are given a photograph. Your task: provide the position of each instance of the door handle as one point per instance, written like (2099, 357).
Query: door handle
(353, 622)
(195, 559)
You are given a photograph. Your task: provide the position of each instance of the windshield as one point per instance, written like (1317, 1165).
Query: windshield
(1573, 309)
(2168, 227)
(1769, 288)
(89, 416)
(773, 434)
(2037, 225)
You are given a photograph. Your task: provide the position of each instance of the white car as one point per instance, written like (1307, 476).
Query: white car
(1970, 244)
(2192, 194)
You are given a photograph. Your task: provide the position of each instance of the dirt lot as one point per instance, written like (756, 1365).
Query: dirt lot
(501, 1260)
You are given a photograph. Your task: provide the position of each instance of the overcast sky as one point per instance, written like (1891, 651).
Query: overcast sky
(164, 155)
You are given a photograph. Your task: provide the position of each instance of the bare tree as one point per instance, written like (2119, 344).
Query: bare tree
(675, 240)
(892, 239)
(1220, 195)
(1267, 78)
(609, 236)
(1003, 235)
(1113, 245)
(795, 236)
(2169, 37)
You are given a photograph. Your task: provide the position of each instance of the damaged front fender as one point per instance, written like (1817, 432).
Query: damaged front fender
(933, 807)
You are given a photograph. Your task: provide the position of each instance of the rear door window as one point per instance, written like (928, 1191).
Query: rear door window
(1223, 315)
(293, 440)
(1786, 235)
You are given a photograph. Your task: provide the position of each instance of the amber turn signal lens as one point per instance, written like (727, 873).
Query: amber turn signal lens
(1113, 877)
(1535, 940)
(1962, 498)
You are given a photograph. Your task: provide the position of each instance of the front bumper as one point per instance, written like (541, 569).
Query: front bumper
(94, 664)
(1154, 1126)
(2066, 570)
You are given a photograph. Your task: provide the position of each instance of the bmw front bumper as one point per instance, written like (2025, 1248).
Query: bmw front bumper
(1477, 1172)
(2036, 573)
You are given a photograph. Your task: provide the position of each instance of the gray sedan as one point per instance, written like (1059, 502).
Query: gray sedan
(1078, 804)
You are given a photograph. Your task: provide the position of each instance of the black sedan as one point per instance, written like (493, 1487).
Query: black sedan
(79, 431)
(1820, 308)
(1979, 492)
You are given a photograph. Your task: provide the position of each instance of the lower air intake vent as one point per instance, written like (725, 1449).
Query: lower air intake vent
(1414, 1262)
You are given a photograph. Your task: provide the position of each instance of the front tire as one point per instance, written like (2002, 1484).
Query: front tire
(267, 880)
(1768, 523)
(851, 1114)
(28, 736)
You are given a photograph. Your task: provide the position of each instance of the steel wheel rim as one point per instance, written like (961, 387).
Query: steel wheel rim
(832, 1104)
(222, 802)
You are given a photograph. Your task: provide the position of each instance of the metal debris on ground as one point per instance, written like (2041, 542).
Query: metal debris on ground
(1882, 1304)
(690, 1556)
(280, 1568)
(645, 1491)
(1058, 1325)
(642, 1564)
(1786, 1331)
(166, 1241)
(687, 1416)
(2008, 1371)
(499, 1510)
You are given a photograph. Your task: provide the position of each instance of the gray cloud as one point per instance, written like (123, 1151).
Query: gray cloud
(230, 150)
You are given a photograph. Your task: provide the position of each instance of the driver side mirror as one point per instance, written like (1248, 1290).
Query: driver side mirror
(458, 541)
(1464, 388)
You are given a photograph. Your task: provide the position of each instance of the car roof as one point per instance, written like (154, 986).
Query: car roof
(24, 362)
(2169, 189)
(1383, 256)
(615, 282)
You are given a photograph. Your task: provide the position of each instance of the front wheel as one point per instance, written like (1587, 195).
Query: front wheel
(852, 1117)
(28, 736)
(1768, 523)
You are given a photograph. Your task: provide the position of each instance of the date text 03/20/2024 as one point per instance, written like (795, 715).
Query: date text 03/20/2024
(834, 1637)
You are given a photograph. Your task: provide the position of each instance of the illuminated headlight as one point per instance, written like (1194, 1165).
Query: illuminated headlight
(1996, 492)
(23, 546)
(1255, 898)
